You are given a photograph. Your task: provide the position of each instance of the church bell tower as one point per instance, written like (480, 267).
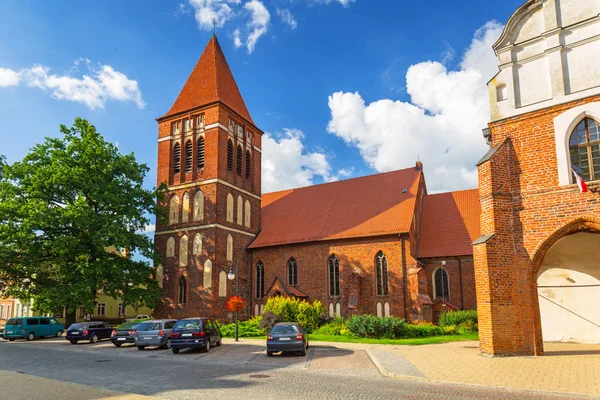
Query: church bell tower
(209, 156)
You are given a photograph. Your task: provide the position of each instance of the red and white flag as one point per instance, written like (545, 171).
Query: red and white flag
(582, 185)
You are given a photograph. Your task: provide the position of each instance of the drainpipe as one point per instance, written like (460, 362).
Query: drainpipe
(404, 277)
(460, 282)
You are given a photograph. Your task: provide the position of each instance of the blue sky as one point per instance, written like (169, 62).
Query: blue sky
(344, 88)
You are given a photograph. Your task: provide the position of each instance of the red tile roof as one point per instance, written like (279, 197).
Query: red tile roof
(210, 81)
(449, 224)
(368, 206)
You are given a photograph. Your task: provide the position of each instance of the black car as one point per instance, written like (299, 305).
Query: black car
(93, 331)
(195, 333)
(124, 333)
(287, 337)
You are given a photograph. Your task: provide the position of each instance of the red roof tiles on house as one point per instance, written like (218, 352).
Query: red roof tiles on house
(449, 224)
(210, 81)
(360, 207)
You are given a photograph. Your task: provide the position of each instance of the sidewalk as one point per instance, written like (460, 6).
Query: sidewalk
(566, 367)
(20, 386)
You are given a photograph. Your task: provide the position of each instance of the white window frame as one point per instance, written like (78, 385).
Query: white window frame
(120, 309)
(564, 125)
(101, 306)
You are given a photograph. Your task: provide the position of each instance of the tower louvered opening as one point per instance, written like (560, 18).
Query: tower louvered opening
(177, 158)
(188, 156)
(239, 161)
(201, 153)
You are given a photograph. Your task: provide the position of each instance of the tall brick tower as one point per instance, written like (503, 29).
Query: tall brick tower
(209, 155)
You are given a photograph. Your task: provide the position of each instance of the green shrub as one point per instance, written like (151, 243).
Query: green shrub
(333, 328)
(370, 326)
(250, 328)
(309, 315)
(285, 307)
(424, 330)
(459, 317)
(269, 320)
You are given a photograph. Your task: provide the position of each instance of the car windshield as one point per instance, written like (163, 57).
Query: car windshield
(285, 329)
(188, 324)
(14, 321)
(149, 326)
(80, 325)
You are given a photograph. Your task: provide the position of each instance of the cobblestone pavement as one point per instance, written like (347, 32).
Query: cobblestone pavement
(394, 365)
(233, 371)
(568, 368)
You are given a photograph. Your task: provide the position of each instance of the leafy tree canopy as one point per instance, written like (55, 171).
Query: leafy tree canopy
(68, 212)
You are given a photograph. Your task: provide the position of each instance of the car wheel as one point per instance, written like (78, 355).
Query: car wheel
(303, 353)
(207, 347)
(141, 348)
(174, 350)
(11, 339)
(219, 342)
(117, 344)
(269, 353)
(59, 334)
(167, 344)
(73, 341)
(94, 338)
(30, 337)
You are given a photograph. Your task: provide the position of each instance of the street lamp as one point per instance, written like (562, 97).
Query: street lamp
(231, 276)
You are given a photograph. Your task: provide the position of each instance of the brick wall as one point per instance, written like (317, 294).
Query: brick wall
(528, 212)
(357, 256)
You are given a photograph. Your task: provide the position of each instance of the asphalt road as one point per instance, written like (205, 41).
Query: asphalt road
(226, 375)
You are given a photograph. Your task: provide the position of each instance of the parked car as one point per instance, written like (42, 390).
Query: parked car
(195, 333)
(154, 333)
(285, 337)
(124, 333)
(32, 327)
(92, 331)
(138, 317)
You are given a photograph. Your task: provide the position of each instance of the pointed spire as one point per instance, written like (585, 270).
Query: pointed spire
(210, 81)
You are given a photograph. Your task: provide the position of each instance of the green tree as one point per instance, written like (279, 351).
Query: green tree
(71, 213)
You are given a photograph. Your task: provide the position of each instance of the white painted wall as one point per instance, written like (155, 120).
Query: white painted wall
(573, 262)
(548, 54)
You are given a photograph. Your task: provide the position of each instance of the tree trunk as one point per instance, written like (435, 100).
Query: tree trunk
(70, 318)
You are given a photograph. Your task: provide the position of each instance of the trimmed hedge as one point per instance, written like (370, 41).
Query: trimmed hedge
(458, 317)
(250, 328)
(370, 326)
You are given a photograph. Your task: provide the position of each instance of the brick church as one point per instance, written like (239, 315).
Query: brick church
(524, 248)
(378, 244)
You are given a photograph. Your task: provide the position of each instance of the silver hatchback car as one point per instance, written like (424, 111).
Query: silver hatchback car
(154, 333)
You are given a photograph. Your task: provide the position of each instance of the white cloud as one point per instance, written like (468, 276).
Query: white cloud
(8, 77)
(288, 164)
(258, 24)
(345, 3)
(94, 90)
(287, 17)
(237, 41)
(182, 9)
(207, 11)
(441, 125)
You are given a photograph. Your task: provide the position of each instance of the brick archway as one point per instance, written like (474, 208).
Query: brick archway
(582, 224)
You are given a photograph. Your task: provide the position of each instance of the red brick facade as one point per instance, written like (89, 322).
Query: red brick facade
(356, 232)
(526, 211)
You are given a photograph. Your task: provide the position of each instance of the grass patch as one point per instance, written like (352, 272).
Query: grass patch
(406, 342)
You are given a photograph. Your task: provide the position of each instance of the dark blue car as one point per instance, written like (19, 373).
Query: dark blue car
(195, 333)
(93, 331)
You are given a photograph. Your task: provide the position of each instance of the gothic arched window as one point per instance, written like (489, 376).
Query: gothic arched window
(248, 164)
(188, 155)
(229, 214)
(239, 161)
(441, 284)
(584, 146)
(197, 248)
(260, 280)
(292, 272)
(159, 275)
(200, 152)
(207, 278)
(229, 156)
(229, 247)
(185, 208)
(198, 206)
(247, 219)
(174, 210)
(381, 268)
(183, 251)
(171, 247)
(177, 158)
(182, 297)
(240, 210)
(334, 276)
